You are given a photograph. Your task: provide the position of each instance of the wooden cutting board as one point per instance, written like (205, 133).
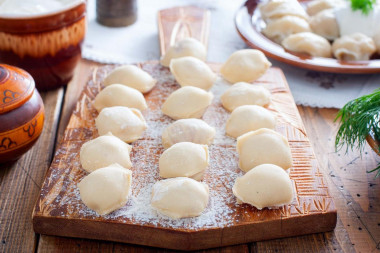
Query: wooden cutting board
(59, 210)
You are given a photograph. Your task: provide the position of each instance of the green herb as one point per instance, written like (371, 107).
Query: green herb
(358, 119)
(364, 5)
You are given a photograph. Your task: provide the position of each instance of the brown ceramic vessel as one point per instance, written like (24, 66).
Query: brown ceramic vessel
(48, 46)
(21, 113)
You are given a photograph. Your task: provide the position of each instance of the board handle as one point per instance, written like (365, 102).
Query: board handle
(177, 23)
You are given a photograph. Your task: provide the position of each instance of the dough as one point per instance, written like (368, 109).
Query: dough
(325, 24)
(278, 29)
(128, 124)
(132, 76)
(187, 102)
(244, 94)
(103, 151)
(190, 71)
(188, 130)
(118, 94)
(316, 6)
(308, 43)
(245, 65)
(278, 8)
(184, 159)
(106, 189)
(185, 47)
(248, 118)
(263, 146)
(180, 197)
(266, 185)
(354, 47)
(376, 39)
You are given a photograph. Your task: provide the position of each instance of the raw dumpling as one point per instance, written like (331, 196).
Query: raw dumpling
(266, 185)
(376, 39)
(244, 94)
(187, 102)
(106, 189)
(245, 65)
(132, 76)
(278, 29)
(128, 124)
(180, 197)
(188, 130)
(185, 47)
(263, 146)
(184, 159)
(190, 71)
(278, 8)
(354, 47)
(316, 6)
(103, 151)
(308, 43)
(119, 95)
(248, 118)
(325, 24)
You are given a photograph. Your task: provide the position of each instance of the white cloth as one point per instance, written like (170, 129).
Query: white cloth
(139, 42)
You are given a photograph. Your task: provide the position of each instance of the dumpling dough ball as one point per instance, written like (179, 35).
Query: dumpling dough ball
(274, 9)
(132, 76)
(354, 47)
(376, 39)
(190, 71)
(185, 47)
(184, 159)
(119, 95)
(248, 118)
(244, 94)
(103, 151)
(180, 197)
(245, 65)
(308, 43)
(187, 102)
(316, 6)
(266, 185)
(106, 189)
(325, 24)
(188, 130)
(278, 29)
(128, 124)
(263, 146)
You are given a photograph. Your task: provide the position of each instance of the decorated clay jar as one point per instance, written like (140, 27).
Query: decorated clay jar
(21, 113)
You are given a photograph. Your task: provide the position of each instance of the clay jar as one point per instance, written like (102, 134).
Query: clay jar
(21, 113)
(48, 46)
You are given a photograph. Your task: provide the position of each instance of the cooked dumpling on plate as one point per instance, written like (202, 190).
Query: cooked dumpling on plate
(354, 47)
(119, 95)
(190, 71)
(104, 151)
(273, 9)
(278, 29)
(187, 102)
(188, 130)
(185, 47)
(128, 124)
(106, 189)
(180, 197)
(325, 24)
(248, 118)
(184, 159)
(244, 94)
(132, 76)
(245, 65)
(316, 6)
(376, 39)
(308, 43)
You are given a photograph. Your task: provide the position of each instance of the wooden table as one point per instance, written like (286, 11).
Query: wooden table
(356, 193)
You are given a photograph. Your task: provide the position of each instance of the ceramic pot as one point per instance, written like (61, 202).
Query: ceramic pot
(21, 113)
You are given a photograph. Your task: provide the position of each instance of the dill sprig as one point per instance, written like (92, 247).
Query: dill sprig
(364, 5)
(359, 118)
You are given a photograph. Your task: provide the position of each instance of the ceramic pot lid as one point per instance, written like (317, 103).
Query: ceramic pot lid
(16, 87)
